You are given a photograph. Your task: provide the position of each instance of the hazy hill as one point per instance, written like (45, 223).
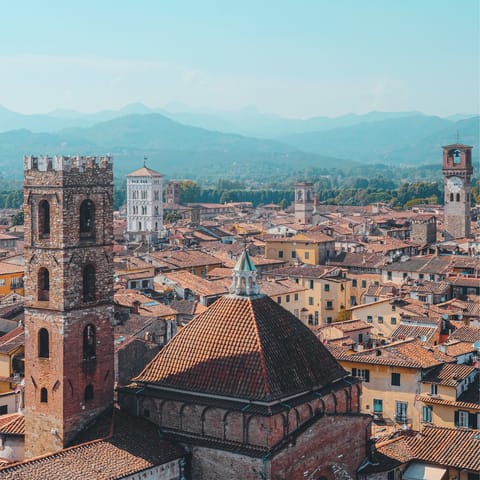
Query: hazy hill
(60, 119)
(171, 147)
(428, 149)
(413, 139)
(182, 150)
(250, 122)
(247, 121)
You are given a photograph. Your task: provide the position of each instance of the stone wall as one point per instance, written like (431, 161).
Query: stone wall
(305, 435)
(55, 192)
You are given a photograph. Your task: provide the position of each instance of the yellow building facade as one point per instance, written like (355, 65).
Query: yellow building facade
(311, 249)
(11, 278)
(391, 376)
(326, 292)
(449, 397)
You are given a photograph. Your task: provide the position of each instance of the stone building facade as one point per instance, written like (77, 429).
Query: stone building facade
(68, 297)
(173, 191)
(424, 229)
(457, 174)
(144, 204)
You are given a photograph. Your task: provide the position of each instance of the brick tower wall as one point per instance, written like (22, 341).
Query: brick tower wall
(65, 183)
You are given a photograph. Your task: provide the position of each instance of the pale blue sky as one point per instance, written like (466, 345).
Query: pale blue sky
(295, 58)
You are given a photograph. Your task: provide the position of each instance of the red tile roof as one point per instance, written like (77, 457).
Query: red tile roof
(408, 353)
(133, 448)
(466, 334)
(144, 172)
(449, 374)
(12, 340)
(453, 447)
(244, 347)
(449, 447)
(13, 424)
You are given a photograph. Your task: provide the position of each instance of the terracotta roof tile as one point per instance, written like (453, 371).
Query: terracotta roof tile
(415, 331)
(12, 340)
(144, 172)
(449, 374)
(179, 259)
(199, 285)
(408, 353)
(134, 447)
(466, 334)
(303, 271)
(454, 348)
(245, 347)
(13, 424)
(452, 447)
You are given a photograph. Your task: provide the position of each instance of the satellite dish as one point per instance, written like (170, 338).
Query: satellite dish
(476, 346)
(460, 317)
(445, 316)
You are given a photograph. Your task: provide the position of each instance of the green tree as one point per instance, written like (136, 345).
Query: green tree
(190, 191)
(17, 219)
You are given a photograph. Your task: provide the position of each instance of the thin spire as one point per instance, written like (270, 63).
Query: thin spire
(144, 160)
(244, 277)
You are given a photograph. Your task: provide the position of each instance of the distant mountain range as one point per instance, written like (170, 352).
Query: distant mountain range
(414, 139)
(231, 144)
(172, 148)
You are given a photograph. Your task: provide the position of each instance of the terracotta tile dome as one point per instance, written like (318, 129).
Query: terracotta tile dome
(244, 346)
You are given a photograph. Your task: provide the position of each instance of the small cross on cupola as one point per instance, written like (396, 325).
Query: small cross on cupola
(244, 277)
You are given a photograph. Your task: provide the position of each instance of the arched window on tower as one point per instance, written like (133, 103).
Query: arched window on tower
(43, 285)
(89, 283)
(87, 219)
(43, 343)
(458, 197)
(88, 394)
(43, 395)
(44, 219)
(89, 342)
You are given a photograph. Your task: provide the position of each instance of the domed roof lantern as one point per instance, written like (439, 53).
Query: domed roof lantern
(244, 277)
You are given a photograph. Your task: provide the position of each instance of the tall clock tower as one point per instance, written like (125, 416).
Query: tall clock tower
(68, 205)
(457, 174)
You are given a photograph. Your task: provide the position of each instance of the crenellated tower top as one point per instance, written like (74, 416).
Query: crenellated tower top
(65, 170)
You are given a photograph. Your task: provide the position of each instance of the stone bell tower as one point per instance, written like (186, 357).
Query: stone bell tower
(304, 202)
(68, 206)
(457, 174)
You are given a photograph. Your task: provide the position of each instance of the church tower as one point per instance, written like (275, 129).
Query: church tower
(68, 206)
(457, 174)
(304, 202)
(144, 204)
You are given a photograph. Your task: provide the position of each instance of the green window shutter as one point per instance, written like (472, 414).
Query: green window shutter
(472, 420)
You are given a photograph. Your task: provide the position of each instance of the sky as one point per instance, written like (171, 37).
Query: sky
(295, 58)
